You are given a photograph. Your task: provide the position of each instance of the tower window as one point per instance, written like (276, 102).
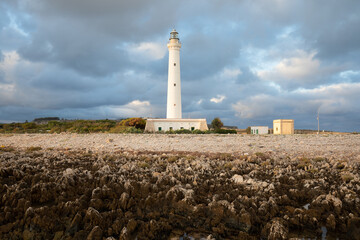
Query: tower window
(174, 84)
(174, 64)
(174, 105)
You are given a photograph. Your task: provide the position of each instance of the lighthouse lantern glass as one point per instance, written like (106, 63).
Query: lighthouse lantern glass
(174, 35)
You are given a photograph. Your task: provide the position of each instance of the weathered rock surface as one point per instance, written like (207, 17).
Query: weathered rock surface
(73, 194)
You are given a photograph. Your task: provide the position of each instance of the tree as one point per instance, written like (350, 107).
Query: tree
(217, 123)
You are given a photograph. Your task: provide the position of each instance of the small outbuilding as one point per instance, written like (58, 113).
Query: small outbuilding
(283, 126)
(259, 130)
(168, 124)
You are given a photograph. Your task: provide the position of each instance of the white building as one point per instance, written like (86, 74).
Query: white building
(174, 120)
(259, 130)
(283, 126)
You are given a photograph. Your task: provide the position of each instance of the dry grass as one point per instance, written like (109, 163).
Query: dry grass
(6, 148)
(33, 149)
(347, 177)
(172, 159)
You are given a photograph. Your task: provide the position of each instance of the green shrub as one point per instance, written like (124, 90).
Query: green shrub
(198, 131)
(183, 131)
(125, 129)
(225, 131)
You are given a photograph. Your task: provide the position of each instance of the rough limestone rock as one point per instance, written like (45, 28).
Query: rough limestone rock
(95, 234)
(331, 222)
(275, 230)
(125, 193)
(238, 179)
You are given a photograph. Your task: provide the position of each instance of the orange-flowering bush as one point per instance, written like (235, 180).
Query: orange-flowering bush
(134, 122)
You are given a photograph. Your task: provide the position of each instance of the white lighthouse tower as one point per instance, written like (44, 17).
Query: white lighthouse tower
(174, 120)
(174, 84)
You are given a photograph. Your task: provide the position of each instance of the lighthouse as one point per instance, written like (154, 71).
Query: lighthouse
(174, 83)
(174, 120)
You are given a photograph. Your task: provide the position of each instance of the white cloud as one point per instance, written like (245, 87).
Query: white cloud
(230, 72)
(333, 99)
(138, 103)
(147, 51)
(300, 67)
(300, 70)
(218, 99)
(256, 106)
(134, 108)
(7, 66)
(14, 25)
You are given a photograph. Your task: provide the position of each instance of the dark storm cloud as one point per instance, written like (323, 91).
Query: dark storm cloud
(103, 59)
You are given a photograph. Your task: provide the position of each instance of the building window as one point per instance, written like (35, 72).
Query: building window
(192, 128)
(181, 127)
(252, 131)
(159, 128)
(277, 129)
(174, 105)
(174, 64)
(257, 131)
(174, 84)
(170, 128)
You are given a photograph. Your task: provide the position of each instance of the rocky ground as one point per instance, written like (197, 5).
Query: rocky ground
(102, 186)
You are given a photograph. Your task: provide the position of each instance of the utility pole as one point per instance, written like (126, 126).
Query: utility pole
(318, 121)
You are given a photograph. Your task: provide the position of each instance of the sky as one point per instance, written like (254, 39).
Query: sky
(246, 62)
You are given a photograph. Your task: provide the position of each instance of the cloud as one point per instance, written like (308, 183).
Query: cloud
(135, 108)
(218, 99)
(92, 59)
(230, 73)
(301, 70)
(334, 101)
(146, 51)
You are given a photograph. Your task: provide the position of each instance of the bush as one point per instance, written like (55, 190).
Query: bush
(183, 131)
(198, 131)
(134, 122)
(125, 129)
(225, 131)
